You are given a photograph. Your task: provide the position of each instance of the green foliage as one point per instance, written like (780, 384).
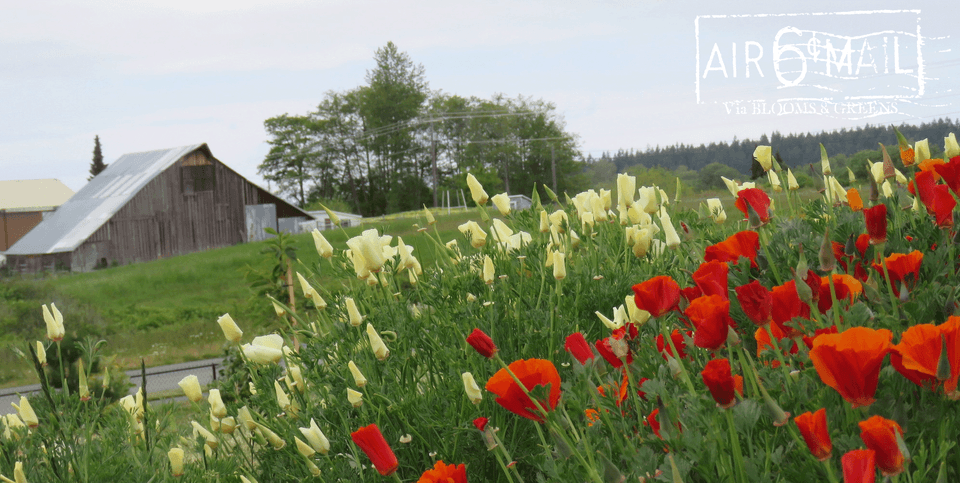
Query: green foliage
(710, 176)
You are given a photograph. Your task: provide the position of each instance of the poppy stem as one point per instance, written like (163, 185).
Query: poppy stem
(833, 297)
(886, 275)
(766, 251)
(735, 444)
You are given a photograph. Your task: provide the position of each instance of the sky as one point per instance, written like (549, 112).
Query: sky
(622, 74)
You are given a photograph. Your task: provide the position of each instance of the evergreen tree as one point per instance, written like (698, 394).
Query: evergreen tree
(97, 165)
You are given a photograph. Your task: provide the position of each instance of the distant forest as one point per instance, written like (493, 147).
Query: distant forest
(794, 149)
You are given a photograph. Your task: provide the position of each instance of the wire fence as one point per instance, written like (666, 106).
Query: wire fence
(159, 380)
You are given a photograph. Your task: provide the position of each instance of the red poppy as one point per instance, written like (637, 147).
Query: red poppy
(371, 441)
(876, 220)
(756, 301)
(808, 341)
(859, 466)
(846, 287)
(863, 242)
(481, 423)
(880, 435)
(850, 362)
(740, 244)
(943, 205)
(690, 294)
(756, 199)
(711, 278)
(925, 189)
(719, 379)
(710, 316)
(653, 422)
(789, 307)
(609, 347)
(918, 354)
(904, 269)
(578, 347)
(444, 473)
(854, 200)
(482, 343)
(950, 172)
(813, 427)
(658, 295)
(677, 338)
(532, 373)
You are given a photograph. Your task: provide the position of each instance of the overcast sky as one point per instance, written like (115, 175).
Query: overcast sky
(158, 74)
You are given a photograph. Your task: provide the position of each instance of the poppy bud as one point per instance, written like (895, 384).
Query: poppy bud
(502, 202)
(316, 438)
(479, 196)
(357, 375)
(482, 343)
(471, 388)
(827, 261)
(191, 388)
(354, 397)
(371, 441)
(376, 343)
(176, 461)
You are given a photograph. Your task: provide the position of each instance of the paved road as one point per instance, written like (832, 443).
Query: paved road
(162, 378)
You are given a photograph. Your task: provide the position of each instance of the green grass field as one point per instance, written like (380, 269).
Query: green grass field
(165, 311)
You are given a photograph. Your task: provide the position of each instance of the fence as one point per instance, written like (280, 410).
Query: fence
(159, 379)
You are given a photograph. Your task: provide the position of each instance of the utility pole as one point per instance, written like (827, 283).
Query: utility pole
(436, 182)
(553, 165)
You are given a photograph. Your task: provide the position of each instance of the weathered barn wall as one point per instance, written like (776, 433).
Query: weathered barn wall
(14, 224)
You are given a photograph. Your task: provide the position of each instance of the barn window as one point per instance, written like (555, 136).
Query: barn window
(198, 178)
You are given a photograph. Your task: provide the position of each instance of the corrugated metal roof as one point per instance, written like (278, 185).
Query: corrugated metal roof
(33, 194)
(91, 207)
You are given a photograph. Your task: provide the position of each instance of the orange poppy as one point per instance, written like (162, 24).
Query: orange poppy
(710, 316)
(658, 295)
(907, 155)
(880, 435)
(764, 343)
(444, 473)
(676, 337)
(930, 166)
(813, 427)
(619, 391)
(592, 416)
(904, 269)
(854, 200)
(918, 354)
(846, 287)
(740, 244)
(532, 373)
(850, 362)
(925, 189)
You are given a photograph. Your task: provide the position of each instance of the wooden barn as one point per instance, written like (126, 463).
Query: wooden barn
(25, 203)
(151, 205)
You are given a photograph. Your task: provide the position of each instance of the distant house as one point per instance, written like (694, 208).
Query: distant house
(151, 205)
(323, 222)
(25, 203)
(520, 202)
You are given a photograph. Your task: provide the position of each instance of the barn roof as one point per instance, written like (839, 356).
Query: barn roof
(101, 198)
(33, 194)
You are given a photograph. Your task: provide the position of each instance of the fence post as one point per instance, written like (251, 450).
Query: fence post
(214, 368)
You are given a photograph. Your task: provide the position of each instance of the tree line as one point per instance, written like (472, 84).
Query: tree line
(395, 145)
(795, 149)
